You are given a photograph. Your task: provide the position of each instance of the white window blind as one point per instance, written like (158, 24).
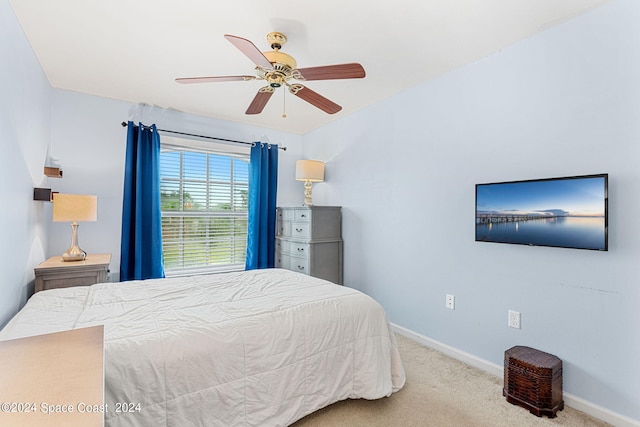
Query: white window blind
(204, 202)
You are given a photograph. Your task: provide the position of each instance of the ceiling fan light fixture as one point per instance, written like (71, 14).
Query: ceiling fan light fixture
(280, 58)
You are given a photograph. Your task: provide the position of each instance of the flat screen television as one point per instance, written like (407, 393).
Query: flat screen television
(568, 212)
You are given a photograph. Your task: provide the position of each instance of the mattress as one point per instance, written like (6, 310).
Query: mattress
(252, 348)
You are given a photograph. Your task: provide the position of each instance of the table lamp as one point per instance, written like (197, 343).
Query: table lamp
(309, 171)
(74, 208)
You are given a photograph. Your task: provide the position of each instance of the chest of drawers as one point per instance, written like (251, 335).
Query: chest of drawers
(309, 241)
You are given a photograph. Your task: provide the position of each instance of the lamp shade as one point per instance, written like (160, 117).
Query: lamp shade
(310, 170)
(75, 207)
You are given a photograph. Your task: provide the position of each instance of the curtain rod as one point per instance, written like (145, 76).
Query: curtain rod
(124, 124)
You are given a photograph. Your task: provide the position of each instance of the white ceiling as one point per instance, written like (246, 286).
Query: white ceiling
(133, 50)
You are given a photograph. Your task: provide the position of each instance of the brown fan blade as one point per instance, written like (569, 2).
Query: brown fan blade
(260, 100)
(314, 98)
(330, 72)
(250, 50)
(186, 80)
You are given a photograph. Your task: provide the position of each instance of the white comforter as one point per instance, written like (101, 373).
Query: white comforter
(255, 348)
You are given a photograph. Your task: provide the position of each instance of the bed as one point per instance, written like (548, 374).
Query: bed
(252, 348)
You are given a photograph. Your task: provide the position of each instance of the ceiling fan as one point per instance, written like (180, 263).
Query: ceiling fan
(278, 69)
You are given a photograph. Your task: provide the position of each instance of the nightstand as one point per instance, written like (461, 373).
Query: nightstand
(56, 273)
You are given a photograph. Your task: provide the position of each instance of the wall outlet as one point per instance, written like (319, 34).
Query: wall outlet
(514, 319)
(450, 302)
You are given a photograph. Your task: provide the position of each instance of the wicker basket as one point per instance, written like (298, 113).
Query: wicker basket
(533, 380)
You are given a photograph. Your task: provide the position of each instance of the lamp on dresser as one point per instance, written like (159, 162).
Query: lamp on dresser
(309, 171)
(74, 208)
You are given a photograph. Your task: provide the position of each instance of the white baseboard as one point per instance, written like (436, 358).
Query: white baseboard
(460, 355)
(599, 412)
(575, 402)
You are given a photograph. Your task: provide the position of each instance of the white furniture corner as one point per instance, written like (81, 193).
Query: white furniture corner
(53, 379)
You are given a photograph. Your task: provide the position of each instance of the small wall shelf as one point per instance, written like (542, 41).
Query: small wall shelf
(52, 172)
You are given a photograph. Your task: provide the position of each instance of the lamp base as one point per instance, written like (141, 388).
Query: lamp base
(74, 253)
(307, 193)
(74, 256)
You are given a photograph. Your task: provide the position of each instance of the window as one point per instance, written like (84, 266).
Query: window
(204, 203)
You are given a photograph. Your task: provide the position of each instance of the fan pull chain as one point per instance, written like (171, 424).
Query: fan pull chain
(284, 104)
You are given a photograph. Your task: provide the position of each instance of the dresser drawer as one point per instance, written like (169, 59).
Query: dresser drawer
(300, 230)
(291, 247)
(283, 228)
(298, 249)
(295, 230)
(53, 281)
(299, 264)
(284, 217)
(293, 263)
(302, 215)
(282, 246)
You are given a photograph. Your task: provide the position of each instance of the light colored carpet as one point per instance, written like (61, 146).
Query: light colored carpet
(440, 391)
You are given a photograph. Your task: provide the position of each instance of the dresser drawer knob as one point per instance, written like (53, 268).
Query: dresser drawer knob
(300, 249)
(299, 230)
(300, 267)
(303, 216)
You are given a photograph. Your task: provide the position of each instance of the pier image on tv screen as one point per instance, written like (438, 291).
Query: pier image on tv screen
(569, 212)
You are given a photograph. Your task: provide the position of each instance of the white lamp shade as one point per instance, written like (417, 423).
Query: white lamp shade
(310, 170)
(74, 207)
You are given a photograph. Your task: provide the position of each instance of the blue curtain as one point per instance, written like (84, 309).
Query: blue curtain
(141, 242)
(263, 183)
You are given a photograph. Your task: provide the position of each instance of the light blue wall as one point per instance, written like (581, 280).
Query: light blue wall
(24, 137)
(564, 102)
